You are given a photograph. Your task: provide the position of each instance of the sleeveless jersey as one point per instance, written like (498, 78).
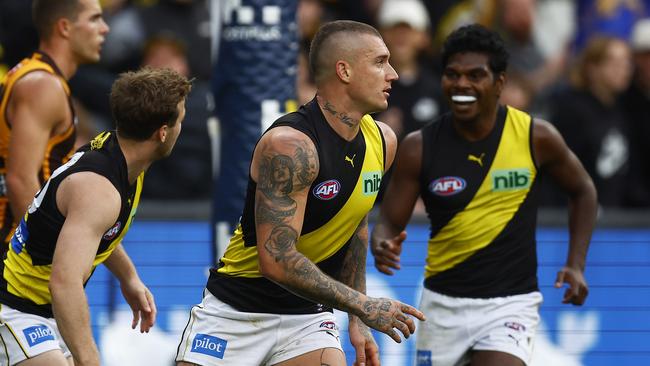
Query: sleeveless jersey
(339, 198)
(59, 147)
(481, 202)
(27, 267)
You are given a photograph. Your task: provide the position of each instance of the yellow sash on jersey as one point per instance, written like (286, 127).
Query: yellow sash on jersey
(328, 239)
(499, 197)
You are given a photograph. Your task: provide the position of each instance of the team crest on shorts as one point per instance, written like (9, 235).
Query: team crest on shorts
(328, 325)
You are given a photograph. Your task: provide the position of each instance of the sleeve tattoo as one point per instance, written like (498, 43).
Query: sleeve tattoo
(281, 176)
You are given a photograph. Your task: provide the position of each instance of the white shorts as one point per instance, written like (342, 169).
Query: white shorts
(456, 326)
(24, 335)
(217, 334)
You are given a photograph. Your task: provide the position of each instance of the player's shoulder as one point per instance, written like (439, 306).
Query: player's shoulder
(285, 137)
(39, 86)
(543, 130)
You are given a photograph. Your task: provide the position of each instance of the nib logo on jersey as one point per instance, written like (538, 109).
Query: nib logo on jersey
(209, 345)
(38, 334)
(510, 179)
(371, 183)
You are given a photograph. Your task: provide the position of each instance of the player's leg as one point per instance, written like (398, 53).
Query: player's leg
(28, 339)
(183, 363)
(49, 358)
(308, 339)
(218, 335)
(325, 356)
(443, 339)
(495, 358)
(505, 333)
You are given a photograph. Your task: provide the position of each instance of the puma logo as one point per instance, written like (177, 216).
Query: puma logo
(350, 160)
(478, 160)
(515, 339)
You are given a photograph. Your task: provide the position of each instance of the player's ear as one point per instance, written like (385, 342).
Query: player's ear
(62, 26)
(343, 71)
(162, 133)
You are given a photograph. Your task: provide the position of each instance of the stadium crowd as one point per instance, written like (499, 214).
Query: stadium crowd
(583, 65)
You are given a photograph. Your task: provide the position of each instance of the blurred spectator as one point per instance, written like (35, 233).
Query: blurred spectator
(637, 107)
(531, 71)
(310, 14)
(131, 26)
(187, 173)
(18, 38)
(188, 21)
(448, 15)
(614, 18)
(415, 97)
(590, 118)
(92, 83)
(517, 92)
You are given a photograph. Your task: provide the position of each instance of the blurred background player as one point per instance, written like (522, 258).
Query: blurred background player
(37, 120)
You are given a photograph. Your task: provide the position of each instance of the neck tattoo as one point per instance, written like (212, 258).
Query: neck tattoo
(339, 115)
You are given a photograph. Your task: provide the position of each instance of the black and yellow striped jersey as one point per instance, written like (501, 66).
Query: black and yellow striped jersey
(340, 197)
(27, 267)
(480, 198)
(59, 147)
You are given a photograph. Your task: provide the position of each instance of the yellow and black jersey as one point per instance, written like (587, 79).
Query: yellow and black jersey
(339, 198)
(27, 267)
(481, 201)
(59, 147)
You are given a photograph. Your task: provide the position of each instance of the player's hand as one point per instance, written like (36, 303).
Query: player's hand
(578, 289)
(386, 315)
(387, 252)
(141, 301)
(367, 352)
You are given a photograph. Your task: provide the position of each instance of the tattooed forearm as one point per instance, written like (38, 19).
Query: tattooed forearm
(341, 116)
(309, 281)
(353, 272)
(305, 279)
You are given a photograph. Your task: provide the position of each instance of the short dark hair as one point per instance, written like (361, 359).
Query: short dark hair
(325, 32)
(142, 101)
(477, 38)
(46, 12)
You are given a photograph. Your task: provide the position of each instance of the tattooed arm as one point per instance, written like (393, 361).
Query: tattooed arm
(285, 163)
(353, 274)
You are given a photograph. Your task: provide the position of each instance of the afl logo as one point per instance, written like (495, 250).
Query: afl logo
(327, 189)
(112, 232)
(447, 186)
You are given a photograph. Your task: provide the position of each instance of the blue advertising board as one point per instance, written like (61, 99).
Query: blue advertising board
(613, 328)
